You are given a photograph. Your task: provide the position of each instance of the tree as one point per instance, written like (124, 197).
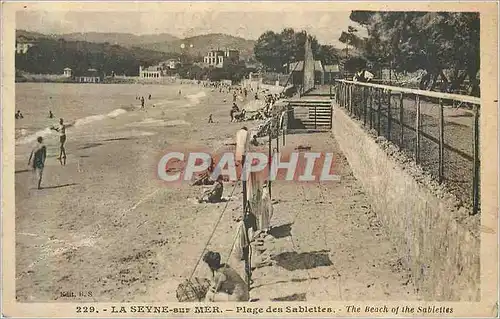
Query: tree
(432, 41)
(276, 50)
(267, 51)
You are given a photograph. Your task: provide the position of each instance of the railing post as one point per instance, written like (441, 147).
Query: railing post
(379, 105)
(441, 141)
(270, 151)
(389, 119)
(344, 96)
(371, 107)
(401, 120)
(365, 105)
(417, 130)
(477, 163)
(350, 99)
(278, 137)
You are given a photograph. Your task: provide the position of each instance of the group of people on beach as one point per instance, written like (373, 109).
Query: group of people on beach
(227, 284)
(38, 154)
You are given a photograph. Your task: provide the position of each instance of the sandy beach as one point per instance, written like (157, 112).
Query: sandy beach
(105, 227)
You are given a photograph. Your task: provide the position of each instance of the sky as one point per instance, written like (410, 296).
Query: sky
(326, 26)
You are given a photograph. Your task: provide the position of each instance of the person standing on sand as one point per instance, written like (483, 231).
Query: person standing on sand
(38, 154)
(62, 139)
(210, 120)
(227, 284)
(142, 102)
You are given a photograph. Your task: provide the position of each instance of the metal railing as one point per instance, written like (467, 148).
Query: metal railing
(414, 120)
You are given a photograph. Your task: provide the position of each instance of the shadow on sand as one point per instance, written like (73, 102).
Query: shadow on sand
(59, 186)
(294, 297)
(294, 261)
(281, 231)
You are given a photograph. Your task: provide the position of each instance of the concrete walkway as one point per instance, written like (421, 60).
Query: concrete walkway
(326, 243)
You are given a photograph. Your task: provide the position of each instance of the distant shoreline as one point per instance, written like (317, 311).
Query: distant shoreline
(117, 80)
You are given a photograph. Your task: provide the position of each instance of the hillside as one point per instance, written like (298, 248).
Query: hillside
(163, 42)
(123, 39)
(31, 35)
(203, 43)
(51, 56)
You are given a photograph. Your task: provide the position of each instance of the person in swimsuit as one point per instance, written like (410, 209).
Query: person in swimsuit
(227, 285)
(62, 139)
(38, 154)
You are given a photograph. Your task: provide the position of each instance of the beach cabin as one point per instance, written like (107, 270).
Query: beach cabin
(67, 72)
(89, 76)
(297, 72)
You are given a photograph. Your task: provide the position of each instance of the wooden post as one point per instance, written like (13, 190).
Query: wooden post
(270, 151)
(401, 120)
(379, 105)
(441, 141)
(417, 129)
(346, 96)
(285, 118)
(477, 163)
(350, 99)
(371, 107)
(365, 105)
(278, 137)
(389, 119)
(246, 255)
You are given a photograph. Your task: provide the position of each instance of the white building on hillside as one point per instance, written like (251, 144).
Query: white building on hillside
(23, 44)
(150, 72)
(220, 58)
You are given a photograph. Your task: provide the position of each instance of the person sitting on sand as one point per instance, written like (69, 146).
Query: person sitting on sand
(19, 115)
(38, 154)
(62, 139)
(51, 115)
(214, 194)
(254, 141)
(240, 116)
(227, 285)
